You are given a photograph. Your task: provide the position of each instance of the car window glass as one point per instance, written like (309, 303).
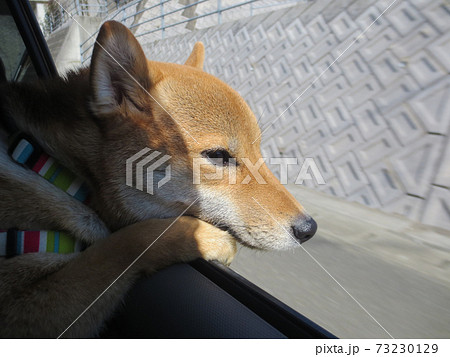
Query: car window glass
(13, 54)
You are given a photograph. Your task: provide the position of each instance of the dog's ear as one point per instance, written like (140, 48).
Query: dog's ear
(197, 56)
(119, 74)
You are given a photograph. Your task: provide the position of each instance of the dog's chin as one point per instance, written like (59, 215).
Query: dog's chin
(265, 240)
(269, 245)
(260, 241)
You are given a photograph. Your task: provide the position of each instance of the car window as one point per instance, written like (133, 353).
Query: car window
(13, 54)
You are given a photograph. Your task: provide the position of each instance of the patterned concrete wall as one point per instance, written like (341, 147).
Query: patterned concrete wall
(377, 122)
(163, 19)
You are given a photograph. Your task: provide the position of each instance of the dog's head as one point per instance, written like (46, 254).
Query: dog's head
(207, 130)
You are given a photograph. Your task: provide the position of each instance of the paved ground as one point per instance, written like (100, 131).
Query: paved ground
(403, 282)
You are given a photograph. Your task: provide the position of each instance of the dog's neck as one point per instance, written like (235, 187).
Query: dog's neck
(56, 115)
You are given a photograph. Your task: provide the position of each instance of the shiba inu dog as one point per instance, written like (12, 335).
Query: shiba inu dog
(91, 122)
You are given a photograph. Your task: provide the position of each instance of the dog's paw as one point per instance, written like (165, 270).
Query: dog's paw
(164, 242)
(214, 243)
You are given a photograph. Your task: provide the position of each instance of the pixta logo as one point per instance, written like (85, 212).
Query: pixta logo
(145, 164)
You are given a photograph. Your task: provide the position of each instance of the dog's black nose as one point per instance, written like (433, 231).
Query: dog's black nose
(304, 228)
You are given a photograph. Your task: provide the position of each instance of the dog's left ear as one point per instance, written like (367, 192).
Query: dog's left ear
(197, 56)
(119, 74)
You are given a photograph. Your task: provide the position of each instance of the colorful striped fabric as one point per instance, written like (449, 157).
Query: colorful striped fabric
(14, 242)
(37, 241)
(49, 169)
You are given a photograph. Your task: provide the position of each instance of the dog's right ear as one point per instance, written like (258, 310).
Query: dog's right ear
(119, 75)
(197, 56)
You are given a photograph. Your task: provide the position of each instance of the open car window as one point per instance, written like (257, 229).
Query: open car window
(375, 121)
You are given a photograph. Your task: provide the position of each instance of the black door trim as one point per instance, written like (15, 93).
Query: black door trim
(286, 320)
(32, 37)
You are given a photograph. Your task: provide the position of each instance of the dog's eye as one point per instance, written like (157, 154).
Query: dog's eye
(218, 156)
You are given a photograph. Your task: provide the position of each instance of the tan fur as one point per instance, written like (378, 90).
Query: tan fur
(197, 57)
(92, 121)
